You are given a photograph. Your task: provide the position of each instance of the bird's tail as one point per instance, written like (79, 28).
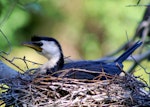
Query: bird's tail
(127, 53)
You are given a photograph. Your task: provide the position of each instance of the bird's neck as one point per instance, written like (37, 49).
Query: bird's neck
(60, 62)
(55, 62)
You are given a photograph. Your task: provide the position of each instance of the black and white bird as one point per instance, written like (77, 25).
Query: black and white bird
(51, 49)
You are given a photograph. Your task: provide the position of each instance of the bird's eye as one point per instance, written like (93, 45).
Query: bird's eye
(38, 43)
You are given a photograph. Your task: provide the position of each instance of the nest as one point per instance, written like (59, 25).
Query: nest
(48, 91)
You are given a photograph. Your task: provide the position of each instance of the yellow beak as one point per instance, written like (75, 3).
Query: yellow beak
(33, 46)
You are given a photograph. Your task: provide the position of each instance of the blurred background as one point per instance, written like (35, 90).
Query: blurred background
(86, 29)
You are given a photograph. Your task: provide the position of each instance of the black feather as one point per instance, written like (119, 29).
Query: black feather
(128, 52)
(110, 68)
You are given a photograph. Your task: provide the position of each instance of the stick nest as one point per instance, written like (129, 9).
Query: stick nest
(48, 91)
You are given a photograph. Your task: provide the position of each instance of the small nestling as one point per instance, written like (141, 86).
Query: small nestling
(51, 49)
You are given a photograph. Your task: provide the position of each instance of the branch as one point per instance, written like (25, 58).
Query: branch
(139, 59)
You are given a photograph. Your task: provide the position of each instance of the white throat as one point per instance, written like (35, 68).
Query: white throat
(50, 64)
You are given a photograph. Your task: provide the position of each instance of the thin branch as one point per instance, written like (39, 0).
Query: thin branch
(138, 61)
(124, 46)
(9, 44)
(10, 10)
(145, 5)
(138, 2)
(137, 57)
(24, 59)
(12, 63)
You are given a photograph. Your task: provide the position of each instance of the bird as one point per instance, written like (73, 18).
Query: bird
(51, 49)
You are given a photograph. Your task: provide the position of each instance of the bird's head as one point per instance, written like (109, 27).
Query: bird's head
(46, 46)
(49, 48)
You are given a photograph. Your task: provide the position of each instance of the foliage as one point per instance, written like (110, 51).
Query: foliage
(104, 20)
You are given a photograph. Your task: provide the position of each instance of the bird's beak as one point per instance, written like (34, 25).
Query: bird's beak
(32, 45)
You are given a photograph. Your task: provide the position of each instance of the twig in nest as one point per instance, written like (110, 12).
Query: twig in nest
(146, 85)
(103, 74)
(64, 72)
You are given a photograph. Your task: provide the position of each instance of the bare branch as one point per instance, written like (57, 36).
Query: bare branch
(12, 63)
(9, 44)
(138, 2)
(24, 59)
(138, 60)
(10, 10)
